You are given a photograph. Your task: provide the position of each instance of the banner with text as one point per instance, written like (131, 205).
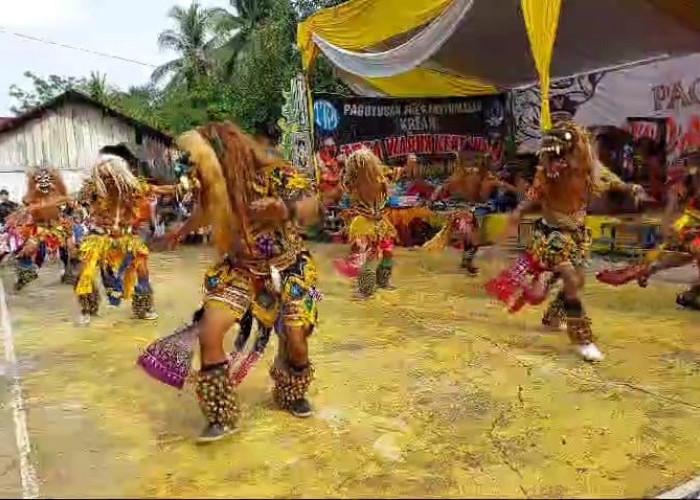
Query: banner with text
(395, 128)
(667, 89)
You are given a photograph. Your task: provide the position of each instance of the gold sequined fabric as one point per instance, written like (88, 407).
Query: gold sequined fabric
(290, 385)
(554, 316)
(579, 330)
(228, 284)
(553, 247)
(217, 398)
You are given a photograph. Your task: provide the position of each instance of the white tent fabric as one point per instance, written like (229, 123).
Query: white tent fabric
(405, 57)
(488, 39)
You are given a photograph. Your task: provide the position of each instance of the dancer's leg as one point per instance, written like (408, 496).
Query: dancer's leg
(142, 303)
(227, 299)
(385, 266)
(292, 371)
(578, 324)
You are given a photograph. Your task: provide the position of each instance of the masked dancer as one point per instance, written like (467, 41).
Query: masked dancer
(568, 176)
(254, 204)
(681, 231)
(114, 251)
(41, 225)
(473, 183)
(370, 233)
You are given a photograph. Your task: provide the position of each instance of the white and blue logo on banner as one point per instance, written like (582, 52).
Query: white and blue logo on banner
(326, 116)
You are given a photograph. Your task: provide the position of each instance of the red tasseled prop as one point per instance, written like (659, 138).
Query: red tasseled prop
(245, 367)
(512, 288)
(350, 266)
(619, 277)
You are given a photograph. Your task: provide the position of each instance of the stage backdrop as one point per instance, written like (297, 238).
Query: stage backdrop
(394, 128)
(667, 89)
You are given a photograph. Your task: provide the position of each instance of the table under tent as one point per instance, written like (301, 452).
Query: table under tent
(448, 48)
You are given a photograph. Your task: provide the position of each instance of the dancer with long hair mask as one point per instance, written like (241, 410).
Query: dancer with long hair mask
(254, 204)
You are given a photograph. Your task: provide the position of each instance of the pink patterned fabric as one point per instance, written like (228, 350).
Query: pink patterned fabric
(386, 245)
(169, 359)
(513, 287)
(351, 265)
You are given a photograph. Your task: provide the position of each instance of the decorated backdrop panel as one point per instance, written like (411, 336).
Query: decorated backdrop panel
(666, 89)
(394, 128)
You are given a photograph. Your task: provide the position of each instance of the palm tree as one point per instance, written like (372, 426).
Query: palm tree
(192, 40)
(235, 29)
(97, 88)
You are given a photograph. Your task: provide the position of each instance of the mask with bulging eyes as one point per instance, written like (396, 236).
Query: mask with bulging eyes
(43, 181)
(557, 144)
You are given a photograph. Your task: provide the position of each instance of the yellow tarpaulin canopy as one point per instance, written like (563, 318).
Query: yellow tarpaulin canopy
(441, 48)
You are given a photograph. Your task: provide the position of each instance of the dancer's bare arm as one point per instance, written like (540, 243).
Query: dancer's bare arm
(611, 182)
(269, 209)
(168, 190)
(305, 211)
(533, 200)
(56, 201)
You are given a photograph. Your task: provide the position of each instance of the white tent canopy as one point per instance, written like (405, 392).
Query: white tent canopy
(463, 47)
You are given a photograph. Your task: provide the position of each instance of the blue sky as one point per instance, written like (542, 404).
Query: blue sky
(128, 28)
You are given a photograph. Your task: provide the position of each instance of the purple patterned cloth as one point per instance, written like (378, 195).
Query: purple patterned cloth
(316, 295)
(266, 245)
(168, 359)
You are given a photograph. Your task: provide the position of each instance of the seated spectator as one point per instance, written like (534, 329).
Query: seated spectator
(6, 205)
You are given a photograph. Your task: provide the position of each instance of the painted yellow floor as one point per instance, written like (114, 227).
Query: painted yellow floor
(427, 391)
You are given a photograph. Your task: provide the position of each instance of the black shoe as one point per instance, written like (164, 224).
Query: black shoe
(301, 408)
(214, 432)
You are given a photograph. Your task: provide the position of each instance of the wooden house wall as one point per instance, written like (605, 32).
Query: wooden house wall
(69, 138)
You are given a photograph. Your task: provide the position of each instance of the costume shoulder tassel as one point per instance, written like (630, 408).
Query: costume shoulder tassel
(217, 207)
(440, 240)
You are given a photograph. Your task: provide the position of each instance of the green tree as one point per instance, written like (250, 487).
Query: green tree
(192, 40)
(96, 88)
(41, 90)
(264, 71)
(202, 87)
(142, 103)
(307, 8)
(235, 29)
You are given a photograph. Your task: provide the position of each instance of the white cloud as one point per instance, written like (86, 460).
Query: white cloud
(43, 13)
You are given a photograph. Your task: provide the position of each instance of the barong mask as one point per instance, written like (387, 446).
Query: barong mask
(567, 146)
(364, 177)
(557, 147)
(44, 181)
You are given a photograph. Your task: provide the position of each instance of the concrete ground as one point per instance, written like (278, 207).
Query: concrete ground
(426, 391)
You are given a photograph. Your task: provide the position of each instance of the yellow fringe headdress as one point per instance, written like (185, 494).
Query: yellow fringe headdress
(214, 194)
(111, 176)
(364, 177)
